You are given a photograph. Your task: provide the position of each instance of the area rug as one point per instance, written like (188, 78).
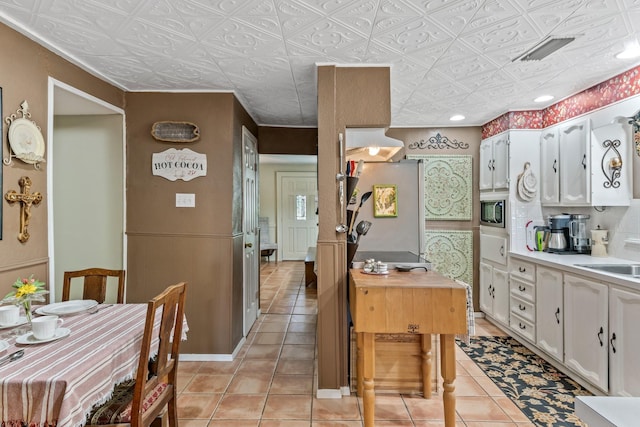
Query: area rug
(543, 393)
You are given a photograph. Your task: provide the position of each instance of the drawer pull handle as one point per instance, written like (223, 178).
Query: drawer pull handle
(555, 168)
(558, 316)
(522, 307)
(521, 288)
(522, 269)
(600, 336)
(613, 338)
(523, 327)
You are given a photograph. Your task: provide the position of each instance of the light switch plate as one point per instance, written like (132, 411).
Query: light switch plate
(185, 200)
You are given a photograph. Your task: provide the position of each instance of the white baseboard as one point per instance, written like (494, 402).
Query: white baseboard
(329, 393)
(199, 357)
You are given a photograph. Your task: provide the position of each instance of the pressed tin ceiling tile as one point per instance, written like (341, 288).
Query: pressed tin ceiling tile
(446, 56)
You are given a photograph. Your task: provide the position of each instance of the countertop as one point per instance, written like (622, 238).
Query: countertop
(608, 411)
(567, 263)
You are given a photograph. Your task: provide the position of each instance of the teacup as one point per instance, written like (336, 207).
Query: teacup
(44, 327)
(9, 315)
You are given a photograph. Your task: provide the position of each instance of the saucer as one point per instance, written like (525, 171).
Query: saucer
(21, 321)
(28, 338)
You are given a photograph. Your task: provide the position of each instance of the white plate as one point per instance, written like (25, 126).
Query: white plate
(28, 338)
(3, 346)
(67, 307)
(26, 141)
(21, 321)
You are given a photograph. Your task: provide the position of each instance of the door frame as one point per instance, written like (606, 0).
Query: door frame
(54, 84)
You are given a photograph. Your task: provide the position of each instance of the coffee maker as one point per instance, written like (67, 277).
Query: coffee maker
(559, 239)
(579, 241)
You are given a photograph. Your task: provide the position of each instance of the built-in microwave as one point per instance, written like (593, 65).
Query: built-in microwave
(492, 213)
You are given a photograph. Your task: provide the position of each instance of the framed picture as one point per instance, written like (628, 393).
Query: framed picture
(385, 200)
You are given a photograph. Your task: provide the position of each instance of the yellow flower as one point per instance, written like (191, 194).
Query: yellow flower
(27, 289)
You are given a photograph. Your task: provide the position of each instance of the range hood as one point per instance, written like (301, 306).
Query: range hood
(370, 144)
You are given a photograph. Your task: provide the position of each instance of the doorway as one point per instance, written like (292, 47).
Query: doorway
(297, 213)
(86, 184)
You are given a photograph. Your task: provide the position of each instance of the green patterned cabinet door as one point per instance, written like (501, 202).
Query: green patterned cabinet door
(448, 182)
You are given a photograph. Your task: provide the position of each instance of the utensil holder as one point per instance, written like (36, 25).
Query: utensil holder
(352, 183)
(351, 252)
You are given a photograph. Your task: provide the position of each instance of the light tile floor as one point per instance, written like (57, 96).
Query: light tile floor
(272, 381)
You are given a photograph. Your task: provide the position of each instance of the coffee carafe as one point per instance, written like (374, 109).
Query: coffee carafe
(559, 233)
(580, 242)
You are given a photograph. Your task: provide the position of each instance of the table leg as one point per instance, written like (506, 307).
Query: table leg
(448, 355)
(368, 371)
(359, 362)
(427, 365)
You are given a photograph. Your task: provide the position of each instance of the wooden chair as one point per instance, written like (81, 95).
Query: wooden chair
(95, 283)
(141, 402)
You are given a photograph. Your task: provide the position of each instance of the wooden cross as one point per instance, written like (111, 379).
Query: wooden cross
(26, 199)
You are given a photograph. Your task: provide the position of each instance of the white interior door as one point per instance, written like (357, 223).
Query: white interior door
(250, 228)
(297, 213)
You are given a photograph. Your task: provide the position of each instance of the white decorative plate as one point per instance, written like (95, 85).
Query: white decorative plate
(3, 346)
(26, 141)
(67, 307)
(28, 338)
(21, 321)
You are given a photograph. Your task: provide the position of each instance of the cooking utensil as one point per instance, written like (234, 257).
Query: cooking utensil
(11, 357)
(363, 199)
(361, 229)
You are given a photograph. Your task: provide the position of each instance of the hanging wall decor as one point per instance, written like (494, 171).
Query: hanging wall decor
(182, 164)
(1, 138)
(168, 131)
(438, 142)
(25, 139)
(26, 199)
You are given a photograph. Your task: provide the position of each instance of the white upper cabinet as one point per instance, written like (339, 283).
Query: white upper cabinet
(550, 167)
(576, 164)
(494, 163)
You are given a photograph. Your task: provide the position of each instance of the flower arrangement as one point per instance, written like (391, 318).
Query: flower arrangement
(26, 290)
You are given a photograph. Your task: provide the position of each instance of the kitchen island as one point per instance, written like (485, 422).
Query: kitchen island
(415, 302)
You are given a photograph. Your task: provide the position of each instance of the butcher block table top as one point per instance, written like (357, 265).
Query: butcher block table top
(414, 302)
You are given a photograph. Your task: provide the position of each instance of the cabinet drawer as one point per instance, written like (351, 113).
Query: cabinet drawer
(523, 308)
(523, 269)
(523, 327)
(522, 289)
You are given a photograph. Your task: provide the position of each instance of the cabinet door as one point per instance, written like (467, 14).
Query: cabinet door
(486, 288)
(549, 168)
(586, 329)
(501, 296)
(486, 164)
(624, 340)
(501, 162)
(575, 163)
(493, 248)
(549, 319)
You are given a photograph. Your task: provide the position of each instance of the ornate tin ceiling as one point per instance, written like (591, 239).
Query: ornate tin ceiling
(446, 56)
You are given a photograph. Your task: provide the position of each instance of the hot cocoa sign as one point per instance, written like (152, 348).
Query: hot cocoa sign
(182, 164)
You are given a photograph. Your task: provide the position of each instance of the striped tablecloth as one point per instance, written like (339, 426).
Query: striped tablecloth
(57, 383)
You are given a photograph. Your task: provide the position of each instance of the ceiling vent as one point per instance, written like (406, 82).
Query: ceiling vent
(544, 48)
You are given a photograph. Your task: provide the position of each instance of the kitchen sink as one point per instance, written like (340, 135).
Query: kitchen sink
(624, 269)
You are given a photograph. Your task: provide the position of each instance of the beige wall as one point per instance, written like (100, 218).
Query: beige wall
(24, 73)
(201, 245)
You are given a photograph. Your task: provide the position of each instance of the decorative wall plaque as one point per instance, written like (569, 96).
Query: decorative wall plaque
(25, 139)
(26, 200)
(182, 164)
(175, 131)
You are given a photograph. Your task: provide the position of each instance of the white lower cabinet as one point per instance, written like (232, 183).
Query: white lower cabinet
(549, 312)
(624, 342)
(494, 292)
(586, 329)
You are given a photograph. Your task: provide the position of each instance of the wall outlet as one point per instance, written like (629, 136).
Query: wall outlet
(185, 200)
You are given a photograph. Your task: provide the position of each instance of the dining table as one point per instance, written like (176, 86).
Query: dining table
(57, 383)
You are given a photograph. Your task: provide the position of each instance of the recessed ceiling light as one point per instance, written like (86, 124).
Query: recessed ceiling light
(456, 118)
(631, 50)
(543, 98)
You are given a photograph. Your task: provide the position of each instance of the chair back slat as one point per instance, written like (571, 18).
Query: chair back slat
(95, 283)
